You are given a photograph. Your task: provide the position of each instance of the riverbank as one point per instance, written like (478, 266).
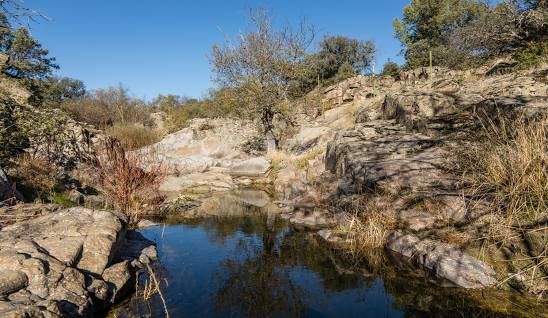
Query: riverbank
(246, 261)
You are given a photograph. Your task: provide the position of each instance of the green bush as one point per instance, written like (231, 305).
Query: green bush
(225, 102)
(391, 69)
(13, 140)
(533, 55)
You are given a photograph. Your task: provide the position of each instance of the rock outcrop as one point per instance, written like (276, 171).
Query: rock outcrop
(207, 156)
(63, 264)
(398, 147)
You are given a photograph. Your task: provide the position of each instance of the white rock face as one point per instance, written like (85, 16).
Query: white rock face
(206, 157)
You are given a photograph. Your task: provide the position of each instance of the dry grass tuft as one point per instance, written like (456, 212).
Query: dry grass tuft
(279, 159)
(36, 178)
(510, 169)
(369, 224)
(128, 179)
(133, 136)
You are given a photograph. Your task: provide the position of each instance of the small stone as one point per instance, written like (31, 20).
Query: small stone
(12, 281)
(118, 276)
(146, 223)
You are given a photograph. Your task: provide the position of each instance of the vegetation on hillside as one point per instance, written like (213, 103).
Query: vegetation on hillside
(464, 33)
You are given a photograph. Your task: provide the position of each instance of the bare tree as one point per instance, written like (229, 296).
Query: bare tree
(262, 63)
(16, 10)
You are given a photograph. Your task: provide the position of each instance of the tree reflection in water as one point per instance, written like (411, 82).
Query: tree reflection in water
(259, 285)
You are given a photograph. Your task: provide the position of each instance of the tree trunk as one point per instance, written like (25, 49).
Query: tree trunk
(267, 121)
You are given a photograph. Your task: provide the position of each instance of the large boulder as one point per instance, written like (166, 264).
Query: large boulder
(381, 152)
(415, 109)
(56, 265)
(309, 137)
(254, 167)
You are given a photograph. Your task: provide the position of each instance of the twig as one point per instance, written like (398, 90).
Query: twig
(158, 288)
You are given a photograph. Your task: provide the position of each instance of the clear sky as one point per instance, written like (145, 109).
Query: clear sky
(162, 46)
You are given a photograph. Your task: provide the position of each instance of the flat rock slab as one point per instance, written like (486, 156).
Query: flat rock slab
(444, 260)
(314, 220)
(254, 167)
(98, 232)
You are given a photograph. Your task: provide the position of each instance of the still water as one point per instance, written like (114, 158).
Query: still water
(256, 266)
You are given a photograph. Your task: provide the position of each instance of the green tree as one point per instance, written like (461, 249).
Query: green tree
(27, 58)
(336, 51)
(427, 25)
(391, 69)
(58, 90)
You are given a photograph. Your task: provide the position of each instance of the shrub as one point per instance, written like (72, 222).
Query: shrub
(133, 136)
(12, 139)
(128, 179)
(345, 72)
(35, 178)
(107, 107)
(225, 102)
(534, 54)
(369, 223)
(391, 69)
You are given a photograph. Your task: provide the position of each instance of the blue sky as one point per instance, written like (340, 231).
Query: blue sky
(162, 46)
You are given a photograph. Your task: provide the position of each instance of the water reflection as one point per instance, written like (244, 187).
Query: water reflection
(253, 265)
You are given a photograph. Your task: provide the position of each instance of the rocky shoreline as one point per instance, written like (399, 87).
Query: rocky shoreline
(69, 263)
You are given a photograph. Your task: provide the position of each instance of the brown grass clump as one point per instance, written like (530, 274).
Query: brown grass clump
(369, 223)
(133, 136)
(128, 179)
(510, 169)
(36, 178)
